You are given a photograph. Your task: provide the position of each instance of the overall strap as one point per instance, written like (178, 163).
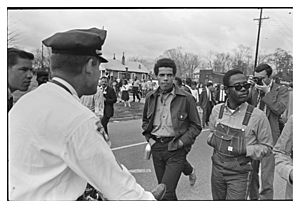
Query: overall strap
(221, 111)
(248, 114)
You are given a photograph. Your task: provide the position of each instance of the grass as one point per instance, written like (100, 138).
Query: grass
(127, 113)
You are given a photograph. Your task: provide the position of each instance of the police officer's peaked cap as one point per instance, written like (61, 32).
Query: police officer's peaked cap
(78, 42)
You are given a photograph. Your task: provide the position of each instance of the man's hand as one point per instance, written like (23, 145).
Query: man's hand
(180, 143)
(151, 141)
(101, 130)
(263, 87)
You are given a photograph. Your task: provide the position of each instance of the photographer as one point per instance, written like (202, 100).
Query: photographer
(272, 99)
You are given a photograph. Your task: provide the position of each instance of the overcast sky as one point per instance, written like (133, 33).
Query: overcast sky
(147, 33)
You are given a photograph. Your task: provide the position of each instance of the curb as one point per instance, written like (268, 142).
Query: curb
(125, 118)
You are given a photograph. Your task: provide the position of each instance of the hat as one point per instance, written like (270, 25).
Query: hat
(78, 42)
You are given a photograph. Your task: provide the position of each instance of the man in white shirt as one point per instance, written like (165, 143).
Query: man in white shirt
(54, 146)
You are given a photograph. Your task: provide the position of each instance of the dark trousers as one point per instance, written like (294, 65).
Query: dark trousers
(230, 178)
(206, 113)
(104, 122)
(267, 179)
(135, 92)
(168, 166)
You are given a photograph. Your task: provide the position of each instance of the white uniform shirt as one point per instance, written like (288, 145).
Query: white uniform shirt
(54, 150)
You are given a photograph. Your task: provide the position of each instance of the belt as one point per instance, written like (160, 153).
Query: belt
(162, 139)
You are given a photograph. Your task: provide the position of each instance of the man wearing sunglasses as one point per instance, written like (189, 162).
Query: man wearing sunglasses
(239, 134)
(271, 98)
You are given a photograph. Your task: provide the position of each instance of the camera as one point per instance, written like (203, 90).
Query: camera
(258, 80)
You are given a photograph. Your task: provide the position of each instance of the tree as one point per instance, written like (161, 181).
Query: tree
(242, 59)
(282, 63)
(185, 62)
(12, 38)
(222, 62)
(42, 60)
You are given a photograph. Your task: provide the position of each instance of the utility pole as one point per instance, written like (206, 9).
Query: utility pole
(258, 34)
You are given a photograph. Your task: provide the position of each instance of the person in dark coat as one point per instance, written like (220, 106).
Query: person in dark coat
(110, 98)
(207, 102)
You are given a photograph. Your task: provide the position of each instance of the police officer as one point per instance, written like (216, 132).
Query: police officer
(55, 148)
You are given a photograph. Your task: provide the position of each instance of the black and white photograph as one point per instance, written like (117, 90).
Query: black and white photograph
(149, 103)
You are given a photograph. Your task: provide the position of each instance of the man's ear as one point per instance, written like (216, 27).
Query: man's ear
(226, 90)
(88, 67)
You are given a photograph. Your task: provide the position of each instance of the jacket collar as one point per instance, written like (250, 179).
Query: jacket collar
(177, 91)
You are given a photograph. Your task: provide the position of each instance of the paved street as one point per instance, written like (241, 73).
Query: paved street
(128, 145)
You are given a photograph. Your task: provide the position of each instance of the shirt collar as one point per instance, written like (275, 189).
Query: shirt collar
(67, 85)
(239, 108)
(270, 85)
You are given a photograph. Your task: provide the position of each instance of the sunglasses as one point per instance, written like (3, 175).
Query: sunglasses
(239, 87)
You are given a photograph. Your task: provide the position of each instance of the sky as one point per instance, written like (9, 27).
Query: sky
(147, 33)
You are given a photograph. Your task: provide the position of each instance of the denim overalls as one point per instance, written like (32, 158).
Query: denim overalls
(231, 169)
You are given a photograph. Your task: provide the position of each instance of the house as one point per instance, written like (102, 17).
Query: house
(118, 69)
(205, 75)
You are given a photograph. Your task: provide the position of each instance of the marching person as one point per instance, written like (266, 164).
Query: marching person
(42, 77)
(54, 146)
(135, 89)
(220, 94)
(206, 102)
(125, 93)
(239, 133)
(110, 98)
(272, 99)
(19, 72)
(170, 125)
(188, 170)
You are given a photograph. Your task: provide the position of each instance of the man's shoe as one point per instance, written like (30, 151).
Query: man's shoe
(159, 191)
(192, 178)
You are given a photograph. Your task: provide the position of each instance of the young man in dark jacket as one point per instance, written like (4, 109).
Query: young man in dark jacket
(170, 123)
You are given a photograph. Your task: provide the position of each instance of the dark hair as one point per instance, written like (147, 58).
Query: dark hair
(209, 84)
(165, 62)
(262, 67)
(71, 64)
(188, 81)
(179, 81)
(104, 77)
(14, 53)
(125, 81)
(229, 74)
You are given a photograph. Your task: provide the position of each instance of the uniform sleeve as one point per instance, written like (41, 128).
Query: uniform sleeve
(88, 155)
(263, 133)
(283, 151)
